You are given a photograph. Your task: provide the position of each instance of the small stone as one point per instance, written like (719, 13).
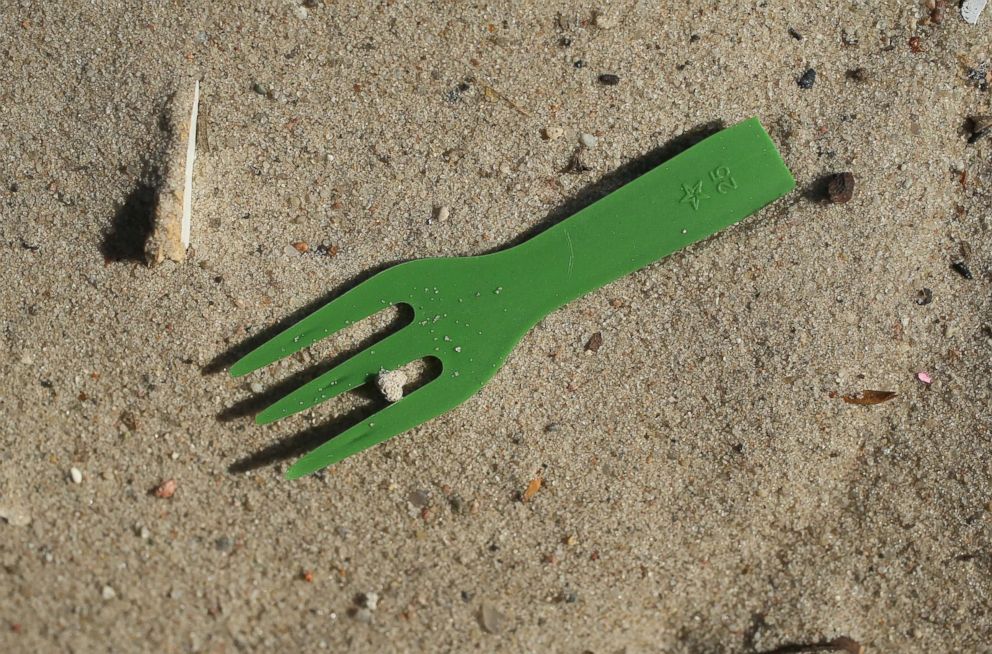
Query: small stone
(390, 383)
(76, 475)
(443, 213)
(490, 617)
(301, 12)
(961, 268)
(841, 188)
(588, 140)
(552, 427)
(972, 9)
(201, 38)
(605, 21)
(419, 498)
(108, 593)
(260, 88)
(15, 516)
(290, 251)
(609, 79)
(795, 34)
(370, 601)
(979, 126)
(166, 489)
(807, 79)
(457, 504)
(594, 343)
(915, 45)
(144, 533)
(301, 246)
(552, 133)
(579, 63)
(363, 615)
(924, 377)
(224, 544)
(256, 387)
(924, 296)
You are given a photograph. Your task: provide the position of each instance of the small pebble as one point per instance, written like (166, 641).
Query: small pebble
(301, 12)
(224, 544)
(579, 63)
(76, 475)
(419, 498)
(552, 133)
(609, 79)
(166, 489)
(588, 140)
(552, 427)
(605, 21)
(260, 88)
(794, 34)
(443, 213)
(857, 75)
(390, 383)
(808, 79)
(924, 377)
(290, 251)
(490, 617)
(594, 343)
(363, 615)
(256, 387)
(924, 296)
(979, 126)
(371, 601)
(961, 268)
(301, 246)
(200, 38)
(15, 516)
(841, 188)
(108, 593)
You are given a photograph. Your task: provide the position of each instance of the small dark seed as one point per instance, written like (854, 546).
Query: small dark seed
(961, 268)
(924, 296)
(808, 79)
(841, 188)
(609, 79)
(595, 342)
(794, 34)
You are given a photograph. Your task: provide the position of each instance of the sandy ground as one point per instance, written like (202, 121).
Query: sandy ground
(705, 487)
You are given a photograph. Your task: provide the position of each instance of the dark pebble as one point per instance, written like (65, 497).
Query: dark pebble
(979, 126)
(260, 88)
(794, 34)
(841, 188)
(693, 38)
(564, 41)
(808, 79)
(609, 79)
(15, 187)
(924, 296)
(578, 63)
(961, 268)
(553, 427)
(224, 544)
(570, 597)
(467, 596)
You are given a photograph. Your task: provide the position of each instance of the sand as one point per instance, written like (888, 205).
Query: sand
(704, 487)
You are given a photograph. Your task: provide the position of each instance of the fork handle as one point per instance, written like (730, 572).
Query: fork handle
(710, 186)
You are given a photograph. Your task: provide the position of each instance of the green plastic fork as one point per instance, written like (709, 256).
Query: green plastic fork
(469, 312)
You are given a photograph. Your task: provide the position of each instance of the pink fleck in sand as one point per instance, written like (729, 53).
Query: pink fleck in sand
(924, 377)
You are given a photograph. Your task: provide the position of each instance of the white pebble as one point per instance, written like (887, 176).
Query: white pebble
(76, 475)
(552, 133)
(605, 21)
(390, 383)
(256, 387)
(108, 593)
(301, 12)
(443, 213)
(588, 140)
(371, 601)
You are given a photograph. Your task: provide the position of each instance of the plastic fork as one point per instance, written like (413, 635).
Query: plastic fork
(469, 312)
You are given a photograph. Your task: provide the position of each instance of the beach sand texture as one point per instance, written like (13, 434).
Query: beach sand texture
(704, 487)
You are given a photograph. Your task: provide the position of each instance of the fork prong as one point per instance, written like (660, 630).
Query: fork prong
(391, 352)
(428, 401)
(358, 303)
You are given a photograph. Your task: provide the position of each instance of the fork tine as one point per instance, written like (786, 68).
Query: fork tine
(391, 352)
(428, 401)
(358, 303)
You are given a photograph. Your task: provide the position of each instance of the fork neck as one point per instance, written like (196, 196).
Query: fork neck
(708, 187)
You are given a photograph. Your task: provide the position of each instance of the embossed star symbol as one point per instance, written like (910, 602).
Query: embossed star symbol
(693, 194)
